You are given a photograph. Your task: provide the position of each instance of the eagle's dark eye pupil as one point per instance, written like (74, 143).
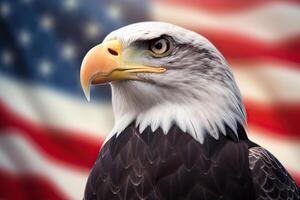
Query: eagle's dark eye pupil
(158, 45)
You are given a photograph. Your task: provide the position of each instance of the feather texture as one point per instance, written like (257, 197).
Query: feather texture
(270, 179)
(153, 165)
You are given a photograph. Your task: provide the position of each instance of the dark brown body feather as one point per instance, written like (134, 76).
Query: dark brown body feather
(175, 166)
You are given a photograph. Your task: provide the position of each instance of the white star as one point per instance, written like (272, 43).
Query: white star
(92, 30)
(24, 38)
(114, 11)
(45, 68)
(68, 51)
(7, 57)
(47, 22)
(5, 9)
(70, 4)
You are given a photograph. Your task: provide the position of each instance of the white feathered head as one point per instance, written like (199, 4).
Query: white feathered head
(163, 75)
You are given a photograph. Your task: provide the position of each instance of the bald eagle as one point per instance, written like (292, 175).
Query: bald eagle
(179, 128)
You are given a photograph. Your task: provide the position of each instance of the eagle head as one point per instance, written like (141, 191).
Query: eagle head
(163, 75)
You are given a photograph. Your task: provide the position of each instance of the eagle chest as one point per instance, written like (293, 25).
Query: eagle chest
(153, 165)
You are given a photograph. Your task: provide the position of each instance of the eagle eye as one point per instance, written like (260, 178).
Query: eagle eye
(160, 47)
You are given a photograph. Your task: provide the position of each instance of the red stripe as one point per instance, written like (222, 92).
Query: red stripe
(65, 146)
(80, 151)
(225, 6)
(280, 120)
(237, 47)
(296, 178)
(27, 187)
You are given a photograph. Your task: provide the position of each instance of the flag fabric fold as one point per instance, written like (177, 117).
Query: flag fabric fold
(50, 136)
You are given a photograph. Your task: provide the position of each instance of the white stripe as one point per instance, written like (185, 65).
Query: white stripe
(23, 157)
(42, 105)
(272, 22)
(268, 82)
(260, 82)
(286, 151)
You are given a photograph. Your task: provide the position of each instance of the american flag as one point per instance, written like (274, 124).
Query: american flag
(50, 136)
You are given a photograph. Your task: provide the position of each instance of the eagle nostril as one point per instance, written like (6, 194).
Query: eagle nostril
(113, 52)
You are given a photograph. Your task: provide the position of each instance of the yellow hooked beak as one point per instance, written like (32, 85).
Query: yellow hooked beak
(103, 64)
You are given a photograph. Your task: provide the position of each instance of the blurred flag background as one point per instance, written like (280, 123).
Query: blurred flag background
(50, 136)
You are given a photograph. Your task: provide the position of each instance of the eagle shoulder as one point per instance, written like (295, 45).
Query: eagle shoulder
(270, 179)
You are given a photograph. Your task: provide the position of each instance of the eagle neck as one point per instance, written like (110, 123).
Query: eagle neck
(194, 117)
